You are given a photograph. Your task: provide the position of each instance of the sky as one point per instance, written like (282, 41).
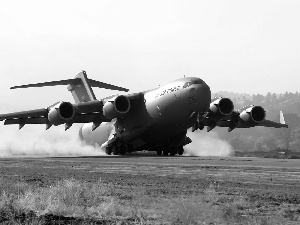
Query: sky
(233, 45)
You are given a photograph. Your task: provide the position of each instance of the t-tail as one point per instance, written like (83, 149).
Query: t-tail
(80, 87)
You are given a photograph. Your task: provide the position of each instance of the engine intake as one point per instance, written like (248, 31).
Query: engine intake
(253, 115)
(61, 113)
(116, 107)
(220, 108)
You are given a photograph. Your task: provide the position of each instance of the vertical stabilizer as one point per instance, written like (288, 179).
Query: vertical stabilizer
(81, 89)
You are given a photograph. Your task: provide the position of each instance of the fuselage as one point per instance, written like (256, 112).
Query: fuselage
(156, 116)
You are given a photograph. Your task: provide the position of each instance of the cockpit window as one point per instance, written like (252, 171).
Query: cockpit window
(198, 81)
(187, 84)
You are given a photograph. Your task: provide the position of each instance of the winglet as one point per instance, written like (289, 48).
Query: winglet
(281, 117)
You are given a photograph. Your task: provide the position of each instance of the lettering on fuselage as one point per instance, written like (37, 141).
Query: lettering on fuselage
(167, 91)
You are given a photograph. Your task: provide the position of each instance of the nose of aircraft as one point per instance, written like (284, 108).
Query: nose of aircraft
(203, 95)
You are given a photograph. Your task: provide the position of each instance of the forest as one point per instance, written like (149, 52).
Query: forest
(263, 138)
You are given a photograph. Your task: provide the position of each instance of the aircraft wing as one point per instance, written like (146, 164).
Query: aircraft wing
(266, 123)
(60, 112)
(250, 116)
(24, 114)
(86, 108)
(68, 113)
(269, 123)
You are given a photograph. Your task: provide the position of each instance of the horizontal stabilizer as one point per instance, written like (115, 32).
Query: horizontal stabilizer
(51, 83)
(74, 81)
(100, 84)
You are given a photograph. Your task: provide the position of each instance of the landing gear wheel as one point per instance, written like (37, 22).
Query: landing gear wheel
(159, 151)
(180, 150)
(115, 150)
(122, 149)
(173, 151)
(108, 150)
(130, 148)
(165, 152)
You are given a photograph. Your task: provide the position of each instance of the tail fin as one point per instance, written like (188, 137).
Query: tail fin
(281, 118)
(80, 87)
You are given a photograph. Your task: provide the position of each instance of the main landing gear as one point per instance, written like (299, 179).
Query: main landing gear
(118, 149)
(172, 150)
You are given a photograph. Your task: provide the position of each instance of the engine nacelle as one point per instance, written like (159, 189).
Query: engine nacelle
(61, 113)
(220, 108)
(116, 107)
(252, 115)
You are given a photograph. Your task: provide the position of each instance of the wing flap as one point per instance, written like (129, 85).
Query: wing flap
(225, 123)
(24, 114)
(81, 118)
(39, 120)
(269, 123)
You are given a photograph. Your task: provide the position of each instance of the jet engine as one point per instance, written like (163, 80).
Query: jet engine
(116, 107)
(253, 115)
(60, 113)
(220, 108)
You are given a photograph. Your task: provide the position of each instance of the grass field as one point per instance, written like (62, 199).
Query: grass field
(82, 202)
(34, 192)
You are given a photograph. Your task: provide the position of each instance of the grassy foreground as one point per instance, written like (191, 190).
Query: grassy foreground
(78, 202)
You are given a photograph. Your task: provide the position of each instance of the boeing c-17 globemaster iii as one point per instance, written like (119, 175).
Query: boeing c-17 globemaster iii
(155, 120)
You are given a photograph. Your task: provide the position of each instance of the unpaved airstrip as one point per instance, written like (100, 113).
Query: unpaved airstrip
(275, 183)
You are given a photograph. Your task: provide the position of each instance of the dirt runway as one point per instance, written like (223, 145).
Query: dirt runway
(272, 179)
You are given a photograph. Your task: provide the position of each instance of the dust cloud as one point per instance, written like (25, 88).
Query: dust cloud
(34, 141)
(207, 144)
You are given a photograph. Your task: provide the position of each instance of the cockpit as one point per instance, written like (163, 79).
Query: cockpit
(194, 81)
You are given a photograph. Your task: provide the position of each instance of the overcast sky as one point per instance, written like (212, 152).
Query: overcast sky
(239, 46)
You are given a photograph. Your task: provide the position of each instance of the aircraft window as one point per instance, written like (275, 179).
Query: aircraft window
(198, 82)
(187, 84)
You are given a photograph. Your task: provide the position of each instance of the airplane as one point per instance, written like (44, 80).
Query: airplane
(154, 120)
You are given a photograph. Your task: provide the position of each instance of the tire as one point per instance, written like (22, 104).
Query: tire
(122, 149)
(159, 151)
(130, 148)
(115, 150)
(108, 150)
(180, 150)
(173, 151)
(165, 152)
